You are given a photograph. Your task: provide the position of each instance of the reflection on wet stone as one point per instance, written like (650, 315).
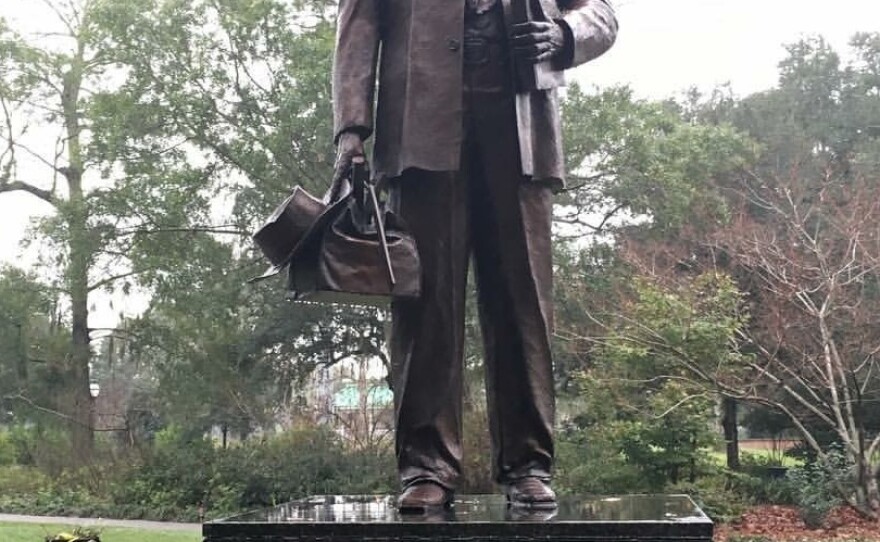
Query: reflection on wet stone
(473, 518)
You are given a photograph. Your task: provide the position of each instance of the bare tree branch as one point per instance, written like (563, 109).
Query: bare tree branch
(13, 186)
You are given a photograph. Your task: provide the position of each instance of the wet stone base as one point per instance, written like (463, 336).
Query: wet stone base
(474, 518)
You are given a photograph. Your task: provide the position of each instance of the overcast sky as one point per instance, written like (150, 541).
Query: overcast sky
(663, 48)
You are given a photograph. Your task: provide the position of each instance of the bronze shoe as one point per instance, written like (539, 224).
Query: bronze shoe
(424, 496)
(530, 492)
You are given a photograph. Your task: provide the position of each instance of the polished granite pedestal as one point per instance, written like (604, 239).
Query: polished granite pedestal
(473, 518)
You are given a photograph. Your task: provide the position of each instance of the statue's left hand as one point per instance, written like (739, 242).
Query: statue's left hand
(349, 148)
(537, 41)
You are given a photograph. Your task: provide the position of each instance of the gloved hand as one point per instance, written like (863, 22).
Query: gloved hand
(537, 41)
(349, 147)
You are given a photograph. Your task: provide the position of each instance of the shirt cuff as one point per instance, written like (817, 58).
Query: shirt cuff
(565, 58)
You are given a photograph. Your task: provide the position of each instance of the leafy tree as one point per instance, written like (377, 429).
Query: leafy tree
(31, 348)
(111, 211)
(249, 98)
(669, 443)
(800, 245)
(644, 173)
(640, 393)
(634, 160)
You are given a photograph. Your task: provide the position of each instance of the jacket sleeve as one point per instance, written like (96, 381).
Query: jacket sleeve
(591, 26)
(354, 66)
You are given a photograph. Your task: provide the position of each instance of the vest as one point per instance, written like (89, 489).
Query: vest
(485, 50)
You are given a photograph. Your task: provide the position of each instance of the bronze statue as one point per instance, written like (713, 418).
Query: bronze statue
(467, 132)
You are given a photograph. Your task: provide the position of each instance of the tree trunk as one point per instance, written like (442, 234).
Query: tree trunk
(692, 463)
(81, 410)
(867, 495)
(731, 434)
(873, 494)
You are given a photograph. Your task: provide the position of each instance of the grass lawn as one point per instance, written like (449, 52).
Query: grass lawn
(762, 455)
(30, 532)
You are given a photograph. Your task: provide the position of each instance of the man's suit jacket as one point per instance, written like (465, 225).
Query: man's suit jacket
(416, 45)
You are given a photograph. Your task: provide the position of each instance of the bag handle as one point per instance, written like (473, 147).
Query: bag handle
(362, 182)
(360, 176)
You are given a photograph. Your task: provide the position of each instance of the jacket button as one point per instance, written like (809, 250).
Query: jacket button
(453, 44)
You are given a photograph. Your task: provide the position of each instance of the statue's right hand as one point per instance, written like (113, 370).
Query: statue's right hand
(348, 147)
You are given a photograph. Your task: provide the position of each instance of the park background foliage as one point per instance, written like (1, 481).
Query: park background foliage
(716, 260)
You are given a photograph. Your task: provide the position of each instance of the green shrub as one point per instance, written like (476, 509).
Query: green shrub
(714, 496)
(7, 449)
(761, 489)
(587, 463)
(42, 447)
(299, 463)
(181, 475)
(17, 480)
(816, 486)
(185, 473)
(177, 472)
(672, 445)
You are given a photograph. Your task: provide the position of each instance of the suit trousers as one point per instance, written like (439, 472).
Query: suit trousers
(489, 210)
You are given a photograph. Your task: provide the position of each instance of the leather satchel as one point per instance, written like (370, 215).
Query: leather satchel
(346, 262)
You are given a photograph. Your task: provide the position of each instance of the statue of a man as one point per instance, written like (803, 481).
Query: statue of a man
(473, 154)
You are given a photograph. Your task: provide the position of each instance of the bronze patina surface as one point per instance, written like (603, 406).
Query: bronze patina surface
(467, 134)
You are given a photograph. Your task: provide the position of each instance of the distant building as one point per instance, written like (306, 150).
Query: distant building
(354, 399)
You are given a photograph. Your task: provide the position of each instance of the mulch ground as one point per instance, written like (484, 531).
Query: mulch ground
(783, 523)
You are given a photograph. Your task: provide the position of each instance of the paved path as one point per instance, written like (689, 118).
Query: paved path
(98, 522)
